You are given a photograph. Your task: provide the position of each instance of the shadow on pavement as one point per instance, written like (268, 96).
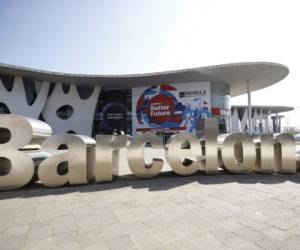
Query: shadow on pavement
(164, 181)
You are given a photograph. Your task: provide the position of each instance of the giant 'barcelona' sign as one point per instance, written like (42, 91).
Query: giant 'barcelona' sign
(88, 160)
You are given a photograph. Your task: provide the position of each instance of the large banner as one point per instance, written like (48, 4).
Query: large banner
(114, 111)
(170, 107)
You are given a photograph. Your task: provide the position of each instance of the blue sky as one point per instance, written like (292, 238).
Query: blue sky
(120, 37)
(89, 36)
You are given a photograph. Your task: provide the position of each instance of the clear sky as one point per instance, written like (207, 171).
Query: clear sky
(120, 37)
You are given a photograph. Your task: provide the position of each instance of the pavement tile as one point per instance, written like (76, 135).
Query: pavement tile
(166, 235)
(276, 233)
(268, 243)
(251, 234)
(125, 242)
(147, 240)
(93, 241)
(180, 243)
(292, 243)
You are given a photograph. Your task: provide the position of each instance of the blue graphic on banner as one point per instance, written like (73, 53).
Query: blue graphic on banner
(193, 112)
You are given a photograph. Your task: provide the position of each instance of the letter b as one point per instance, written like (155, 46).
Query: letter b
(16, 167)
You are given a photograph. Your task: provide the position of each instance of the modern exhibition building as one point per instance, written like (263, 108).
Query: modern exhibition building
(163, 102)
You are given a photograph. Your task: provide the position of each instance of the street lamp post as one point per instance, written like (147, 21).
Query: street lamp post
(249, 108)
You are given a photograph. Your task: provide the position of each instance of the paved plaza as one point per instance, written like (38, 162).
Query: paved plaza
(168, 212)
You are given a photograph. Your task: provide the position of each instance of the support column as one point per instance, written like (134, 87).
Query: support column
(274, 123)
(261, 124)
(267, 122)
(277, 123)
(249, 109)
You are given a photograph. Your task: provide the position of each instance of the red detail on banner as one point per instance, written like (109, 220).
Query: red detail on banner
(167, 87)
(215, 111)
(159, 129)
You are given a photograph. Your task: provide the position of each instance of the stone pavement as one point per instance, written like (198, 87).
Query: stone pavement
(169, 212)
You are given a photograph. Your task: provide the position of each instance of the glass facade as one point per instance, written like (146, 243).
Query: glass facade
(220, 105)
(113, 112)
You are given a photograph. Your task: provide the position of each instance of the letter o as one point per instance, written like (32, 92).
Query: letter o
(238, 152)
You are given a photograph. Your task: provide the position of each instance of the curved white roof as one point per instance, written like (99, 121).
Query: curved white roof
(260, 75)
(265, 108)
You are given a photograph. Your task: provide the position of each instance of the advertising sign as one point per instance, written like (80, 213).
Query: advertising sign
(170, 107)
(114, 111)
